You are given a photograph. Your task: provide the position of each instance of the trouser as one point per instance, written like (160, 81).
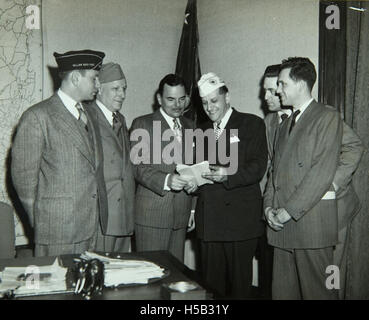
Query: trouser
(340, 258)
(301, 274)
(156, 239)
(58, 249)
(264, 256)
(227, 267)
(106, 243)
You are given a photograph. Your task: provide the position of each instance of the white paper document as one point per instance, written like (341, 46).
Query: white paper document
(34, 280)
(194, 172)
(120, 271)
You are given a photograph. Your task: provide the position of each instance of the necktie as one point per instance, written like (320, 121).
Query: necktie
(177, 129)
(217, 129)
(283, 117)
(82, 116)
(116, 123)
(293, 122)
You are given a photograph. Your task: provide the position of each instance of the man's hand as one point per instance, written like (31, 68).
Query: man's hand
(191, 221)
(175, 182)
(191, 186)
(271, 219)
(217, 174)
(282, 216)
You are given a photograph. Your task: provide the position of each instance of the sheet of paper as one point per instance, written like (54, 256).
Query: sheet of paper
(194, 172)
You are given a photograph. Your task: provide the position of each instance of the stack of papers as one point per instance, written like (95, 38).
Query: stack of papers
(194, 172)
(118, 271)
(34, 280)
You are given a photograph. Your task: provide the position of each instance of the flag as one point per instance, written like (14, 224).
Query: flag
(188, 63)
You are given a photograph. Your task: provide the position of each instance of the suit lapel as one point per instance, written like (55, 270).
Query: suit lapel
(286, 140)
(70, 127)
(103, 122)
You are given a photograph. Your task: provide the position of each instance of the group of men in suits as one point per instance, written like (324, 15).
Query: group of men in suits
(84, 186)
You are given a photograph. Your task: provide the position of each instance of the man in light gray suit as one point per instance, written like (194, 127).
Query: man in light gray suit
(351, 151)
(56, 161)
(300, 200)
(163, 203)
(115, 234)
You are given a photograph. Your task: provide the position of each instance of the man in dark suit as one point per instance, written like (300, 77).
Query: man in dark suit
(300, 200)
(56, 161)
(163, 203)
(228, 213)
(114, 234)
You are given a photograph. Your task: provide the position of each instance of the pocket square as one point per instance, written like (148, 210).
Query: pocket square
(234, 139)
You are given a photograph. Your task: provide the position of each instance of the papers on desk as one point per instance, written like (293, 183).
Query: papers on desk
(34, 280)
(194, 172)
(119, 271)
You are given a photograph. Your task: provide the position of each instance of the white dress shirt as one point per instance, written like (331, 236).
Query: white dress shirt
(107, 113)
(69, 103)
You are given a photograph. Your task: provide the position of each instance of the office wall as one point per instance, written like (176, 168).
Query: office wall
(141, 35)
(239, 38)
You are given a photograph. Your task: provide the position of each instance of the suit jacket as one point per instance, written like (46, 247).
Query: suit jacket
(118, 175)
(305, 163)
(156, 207)
(232, 210)
(348, 203)
(57, 173)
(272, 129)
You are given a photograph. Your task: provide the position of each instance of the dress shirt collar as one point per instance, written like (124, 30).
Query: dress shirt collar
(69, 103)
(169, 119)
(288, 112)
(224, 120)
(107, 113)
(302, 108)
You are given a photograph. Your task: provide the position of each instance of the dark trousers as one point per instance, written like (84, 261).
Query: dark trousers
(264, 256)
(300, 274)
(153, 239)
(227, 267)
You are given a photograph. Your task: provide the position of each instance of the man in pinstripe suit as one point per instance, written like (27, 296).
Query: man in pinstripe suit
(163, 203)
(115, 233)
(300, 199)
(56, 162)
(350, 155)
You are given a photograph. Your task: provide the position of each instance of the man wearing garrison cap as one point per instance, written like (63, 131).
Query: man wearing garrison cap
(228, 212)
(116, 228)
(57, 163)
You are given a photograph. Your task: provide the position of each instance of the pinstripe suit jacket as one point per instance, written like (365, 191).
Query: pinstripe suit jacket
(118, 175)
(57, 173)
(154, 206)
(348, 203)
(305, 164)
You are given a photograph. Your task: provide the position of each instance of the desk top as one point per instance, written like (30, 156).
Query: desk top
(177, 272)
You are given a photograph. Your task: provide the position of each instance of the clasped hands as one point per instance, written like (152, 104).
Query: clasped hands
(177, 183)
(276, 218)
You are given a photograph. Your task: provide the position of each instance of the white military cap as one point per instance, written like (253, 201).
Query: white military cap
(208, 83)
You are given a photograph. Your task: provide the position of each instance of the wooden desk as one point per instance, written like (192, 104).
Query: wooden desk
(177, 272)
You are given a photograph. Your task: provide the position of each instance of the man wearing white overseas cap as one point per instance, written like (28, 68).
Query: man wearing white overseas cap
(228, 213)
(116, 228)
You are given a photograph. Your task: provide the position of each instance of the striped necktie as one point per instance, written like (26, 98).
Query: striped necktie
(217, 129)
(177, 129)
(117, 124)
(82, 119)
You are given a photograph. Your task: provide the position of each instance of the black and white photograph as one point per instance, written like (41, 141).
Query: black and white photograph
(203, 150)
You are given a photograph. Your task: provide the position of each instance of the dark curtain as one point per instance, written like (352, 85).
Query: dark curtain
(344, 83)
(356, 114)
